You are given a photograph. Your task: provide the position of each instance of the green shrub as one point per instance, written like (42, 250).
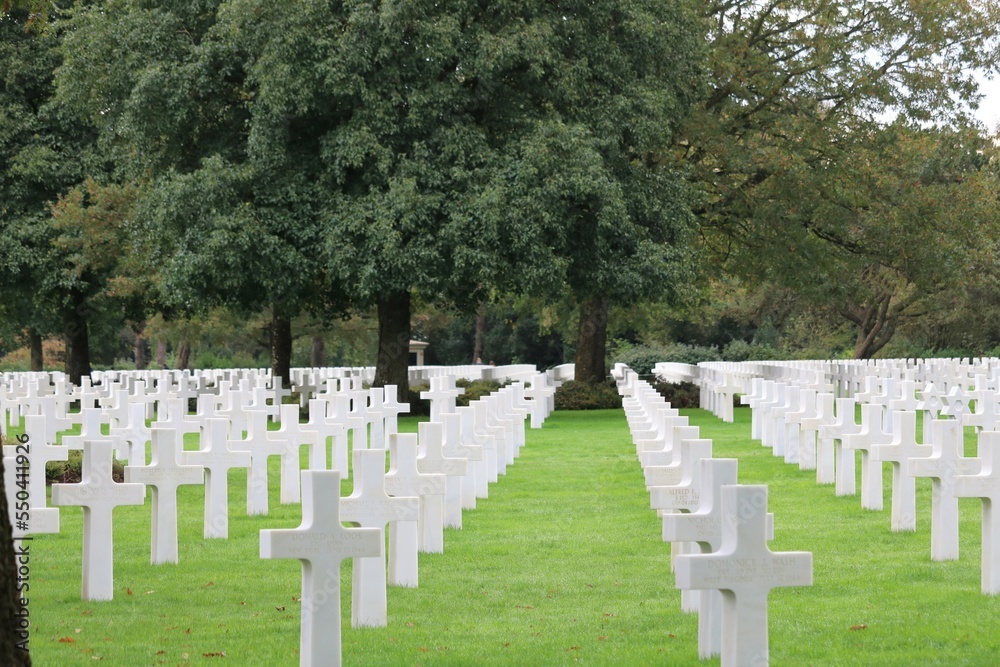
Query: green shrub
(419, 407)
(680, 353)
(476, 389)
(740, 350)
(683, 395)
(573, 395)
(71, 470)
(641, 358)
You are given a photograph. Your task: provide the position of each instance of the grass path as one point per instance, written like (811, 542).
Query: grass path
(563, 564)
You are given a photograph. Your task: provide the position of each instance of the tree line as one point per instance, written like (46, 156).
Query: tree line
(164, 159)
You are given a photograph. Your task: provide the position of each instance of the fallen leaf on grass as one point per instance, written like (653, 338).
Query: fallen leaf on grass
(423, 649)
(215, 654)
(573, 648)
(67, 640)
(78, 630)
(188, 631)
(524, 606)
(859, 627)
(671, 635)
(129, 591)
(161, 653)
(211, 583)
(150, 592)
(281, 608)
(296, 598)
(610, 614)
(602, 639)
(86, 612)
(409, 624)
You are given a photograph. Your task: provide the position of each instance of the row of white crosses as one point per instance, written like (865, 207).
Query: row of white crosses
(718, 529)
(488, 434)
(796, 408)
(119, 409)
(432, 477)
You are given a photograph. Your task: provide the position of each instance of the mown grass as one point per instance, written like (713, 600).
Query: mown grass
(562, 564)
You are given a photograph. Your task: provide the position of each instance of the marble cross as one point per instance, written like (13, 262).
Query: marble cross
(164, 474)
(986, 486)
(945, 463)
(217, 459)
(407, 537)
(745, 570)
(99, 495)
(321, 543)
(371, 507)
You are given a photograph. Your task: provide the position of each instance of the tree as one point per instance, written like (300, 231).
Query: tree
(799, 91)
(44, 152)
(224, 220)
(588, 198)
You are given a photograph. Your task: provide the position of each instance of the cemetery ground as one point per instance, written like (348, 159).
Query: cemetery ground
(562, 564)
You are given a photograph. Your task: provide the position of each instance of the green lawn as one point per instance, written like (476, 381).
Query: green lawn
(562, 564)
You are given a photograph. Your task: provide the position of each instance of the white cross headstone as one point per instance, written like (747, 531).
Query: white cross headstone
(871, 433)
(704, 527)
(898, 452)
(392, 408)
(685, 494)
(745, 570)
(98, 494)
(134, 434)
(942, 466)
(371, 507)
(289, 440)
(326, 431)
(321, 542)
(986, 486)
(260, 448)
(455, 446)
(375, 416)
(432, 459)
(217, 459)
(486, 443)
(825, 466)
(164, 474)
(339, 413)
(406, 537)
(842, 426)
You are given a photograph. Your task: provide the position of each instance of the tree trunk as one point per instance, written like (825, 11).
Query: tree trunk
(394, 344)
(591, 340)
(77, 342)
(317, 356)
(161, 354)
(35, 345)
(183, 355)
(140, 351)
(13, 636)
(477, 346)
(876, 323)
(281, 347)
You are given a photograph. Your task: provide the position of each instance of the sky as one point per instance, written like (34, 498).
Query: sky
(989, 108)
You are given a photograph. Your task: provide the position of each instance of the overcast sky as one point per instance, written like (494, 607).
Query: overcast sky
(989, 108)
